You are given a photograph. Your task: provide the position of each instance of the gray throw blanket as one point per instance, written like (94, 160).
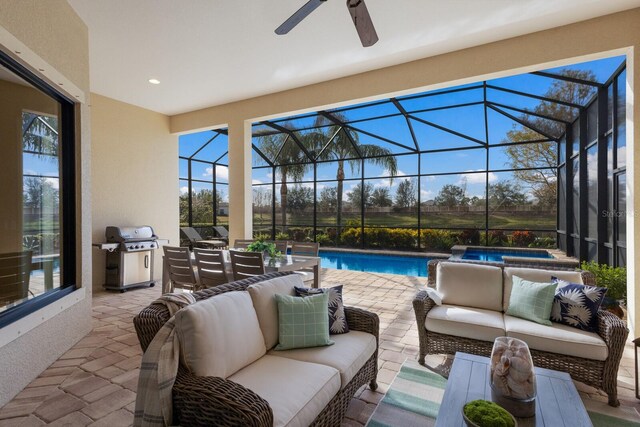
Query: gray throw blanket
(159, 367)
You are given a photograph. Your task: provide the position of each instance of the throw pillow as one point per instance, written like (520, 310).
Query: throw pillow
(337, 318)
(303, 322)
(531, 300)
(577, 305)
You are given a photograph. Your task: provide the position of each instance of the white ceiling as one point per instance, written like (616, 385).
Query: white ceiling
(210, 52)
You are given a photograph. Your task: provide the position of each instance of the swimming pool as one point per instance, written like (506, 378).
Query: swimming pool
(494, 255)
(375, 263)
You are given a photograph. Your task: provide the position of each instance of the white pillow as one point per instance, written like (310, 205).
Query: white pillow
(434, 295)
(220, 335)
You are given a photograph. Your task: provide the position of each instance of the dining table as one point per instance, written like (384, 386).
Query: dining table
(271, 264)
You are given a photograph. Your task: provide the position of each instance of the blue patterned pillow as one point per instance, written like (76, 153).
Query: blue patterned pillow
(577, 305)
(337, 317)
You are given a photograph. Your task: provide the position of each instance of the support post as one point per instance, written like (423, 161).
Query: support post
(240, 191)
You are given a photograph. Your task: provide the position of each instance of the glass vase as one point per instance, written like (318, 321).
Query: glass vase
(513, 378)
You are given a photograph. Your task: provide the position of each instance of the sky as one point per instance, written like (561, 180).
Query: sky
(463, 164)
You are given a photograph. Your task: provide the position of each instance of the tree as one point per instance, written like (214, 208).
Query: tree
(40, 134)
(406, 194)
(289, 157)
(506, 193)
(39, 193)
(451, 195)
(262, 198)
(381, 197)
(544, 155)
(346, 148)
(299, 198)
(355, 196)
(328, 199)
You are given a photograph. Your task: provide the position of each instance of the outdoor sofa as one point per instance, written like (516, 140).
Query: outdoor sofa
(272, 389)
(472, 314)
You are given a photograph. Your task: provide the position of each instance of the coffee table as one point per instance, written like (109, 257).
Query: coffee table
(557, 402)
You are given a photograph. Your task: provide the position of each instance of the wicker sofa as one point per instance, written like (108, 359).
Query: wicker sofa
(209, 400)
(472, 315)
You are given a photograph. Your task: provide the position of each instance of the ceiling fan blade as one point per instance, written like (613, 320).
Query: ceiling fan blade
(300, 14)
(362, 21)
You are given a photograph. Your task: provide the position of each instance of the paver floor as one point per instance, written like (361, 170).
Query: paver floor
(94, 383)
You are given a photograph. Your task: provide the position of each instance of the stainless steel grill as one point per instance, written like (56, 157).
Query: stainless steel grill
(129, 256)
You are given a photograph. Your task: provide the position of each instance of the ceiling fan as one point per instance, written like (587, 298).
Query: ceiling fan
(357, 9)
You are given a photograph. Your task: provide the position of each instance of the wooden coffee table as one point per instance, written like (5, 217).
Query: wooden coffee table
(557, 402)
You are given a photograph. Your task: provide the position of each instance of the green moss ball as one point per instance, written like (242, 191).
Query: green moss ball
(488, 414)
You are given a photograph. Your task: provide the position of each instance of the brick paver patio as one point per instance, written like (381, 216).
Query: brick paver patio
(94, 383)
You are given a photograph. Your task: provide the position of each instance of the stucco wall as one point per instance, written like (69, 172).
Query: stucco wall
(53, 36)
(134, 174)
(609, 35)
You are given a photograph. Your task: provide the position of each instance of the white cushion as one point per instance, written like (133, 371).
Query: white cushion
(347, 355)
(465, 322)
(557, 338)
(470, 285)
(262, 295)
(220, 335)
(534, 275)
(296, 391)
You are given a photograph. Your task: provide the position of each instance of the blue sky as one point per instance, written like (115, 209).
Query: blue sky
(468, 120)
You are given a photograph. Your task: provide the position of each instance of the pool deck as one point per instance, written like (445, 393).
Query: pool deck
(95, 382)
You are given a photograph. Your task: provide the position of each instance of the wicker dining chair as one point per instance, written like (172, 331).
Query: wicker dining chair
(180, 266)
(211, 267)
(246, 264)
(241, 243)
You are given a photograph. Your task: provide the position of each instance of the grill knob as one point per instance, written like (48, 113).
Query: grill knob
(137, 246)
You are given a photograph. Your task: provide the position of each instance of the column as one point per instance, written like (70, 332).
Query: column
(240, 192)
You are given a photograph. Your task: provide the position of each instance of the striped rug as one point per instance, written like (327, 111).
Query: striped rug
(414, 399)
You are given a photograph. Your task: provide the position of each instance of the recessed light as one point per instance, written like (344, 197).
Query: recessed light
(154, 81)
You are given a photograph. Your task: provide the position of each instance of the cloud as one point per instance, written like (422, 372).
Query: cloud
(387, 182)
(256, 181)
(426, 194)
(54, 182)
(477, 178)
(222, 172)
(184, 190)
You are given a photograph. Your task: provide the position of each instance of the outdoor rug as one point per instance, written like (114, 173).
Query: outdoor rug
(415, 394)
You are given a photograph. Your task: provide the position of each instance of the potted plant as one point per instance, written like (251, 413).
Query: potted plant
(484, 413)
(615, 280)
(268, 249)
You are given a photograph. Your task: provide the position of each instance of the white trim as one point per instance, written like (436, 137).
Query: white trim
(28, 58)
(21, 326)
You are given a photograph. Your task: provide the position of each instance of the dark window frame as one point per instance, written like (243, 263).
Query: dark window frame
(68, 267)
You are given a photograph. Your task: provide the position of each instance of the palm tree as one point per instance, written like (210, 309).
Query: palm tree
(343, 149)
(288, 163)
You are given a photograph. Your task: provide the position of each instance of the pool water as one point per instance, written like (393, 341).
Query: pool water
(374, 263)
(496, 255)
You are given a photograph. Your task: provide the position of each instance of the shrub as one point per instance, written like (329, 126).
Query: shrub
(261, 236)
(543, 242)
(612, 278)
(496, 238)
(351, 237)
(282, 236)
(441, 240)
(469, 236)
(391, 238)
(522, 238)
(324, 240)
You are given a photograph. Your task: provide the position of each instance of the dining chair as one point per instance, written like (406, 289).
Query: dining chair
(210, 264)
(242, 243)
(281, 245)
(180, 266)
(246, 264)
(15, 272)
(305, 249)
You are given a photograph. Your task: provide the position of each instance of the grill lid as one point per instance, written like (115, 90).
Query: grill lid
(129, 234)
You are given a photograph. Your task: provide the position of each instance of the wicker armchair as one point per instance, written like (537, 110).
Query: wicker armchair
(200, 401)
(599, 374)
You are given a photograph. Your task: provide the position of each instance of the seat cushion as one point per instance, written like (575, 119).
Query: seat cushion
(534, 275)
(264, 302)
(220, 335)
(465, 322)
(347, 355)
(296, 391)
(557, 338)
(470, 285)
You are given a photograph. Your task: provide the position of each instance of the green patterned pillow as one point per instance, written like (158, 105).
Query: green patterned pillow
(303, 321)
(532, 300)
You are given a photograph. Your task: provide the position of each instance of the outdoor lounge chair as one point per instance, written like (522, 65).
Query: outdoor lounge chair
(196, 240)
(223, 233)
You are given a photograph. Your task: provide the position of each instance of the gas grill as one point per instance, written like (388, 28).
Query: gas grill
(129, 256)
